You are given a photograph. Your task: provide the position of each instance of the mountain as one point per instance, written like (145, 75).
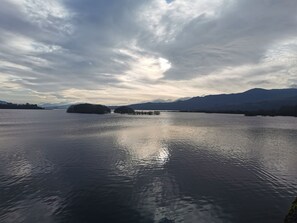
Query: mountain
(49, 106)
(251, 100)
(3, 102)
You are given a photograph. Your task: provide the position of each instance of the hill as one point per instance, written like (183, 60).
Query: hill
(251, 100)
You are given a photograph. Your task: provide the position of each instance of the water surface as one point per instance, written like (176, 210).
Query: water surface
(176, 167)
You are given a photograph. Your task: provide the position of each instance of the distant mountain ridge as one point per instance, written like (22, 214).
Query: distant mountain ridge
(50, 106)
(251, 100)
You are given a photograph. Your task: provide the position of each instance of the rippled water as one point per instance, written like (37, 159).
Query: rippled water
(176, 167)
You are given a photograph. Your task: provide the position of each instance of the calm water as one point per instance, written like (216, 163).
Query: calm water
(176, 167)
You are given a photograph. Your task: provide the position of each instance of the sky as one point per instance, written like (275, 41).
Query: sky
(117, 52)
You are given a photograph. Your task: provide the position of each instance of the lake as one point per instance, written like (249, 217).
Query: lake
(176, 167)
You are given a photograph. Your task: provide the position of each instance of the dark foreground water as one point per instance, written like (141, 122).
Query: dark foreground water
(176, 167)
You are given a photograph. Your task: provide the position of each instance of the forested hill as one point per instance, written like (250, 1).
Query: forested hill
(251, 100)
(19, 106)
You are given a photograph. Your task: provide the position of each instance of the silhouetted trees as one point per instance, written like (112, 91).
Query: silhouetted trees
(124, 110)
(130, 111)
(20, 106)
(88, 109)
(147, 113)
(283, 111)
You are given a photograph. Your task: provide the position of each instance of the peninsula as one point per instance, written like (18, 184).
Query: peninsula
(26, 106)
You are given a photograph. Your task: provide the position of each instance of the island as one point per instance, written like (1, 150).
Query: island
(124, 110)
(131, 111)
(88, 109)
(26, 106)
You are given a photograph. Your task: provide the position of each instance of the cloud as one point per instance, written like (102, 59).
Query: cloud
(241, 34)
(129, 51)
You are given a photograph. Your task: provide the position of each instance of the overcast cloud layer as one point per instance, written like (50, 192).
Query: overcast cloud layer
(127, 51)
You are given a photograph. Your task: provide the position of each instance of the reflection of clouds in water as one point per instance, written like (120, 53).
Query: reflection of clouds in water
(162, 200)
(144, 144)
(163, 156)
(161, 197)
(41, 210)
(24, 165)
(243, 144)
(20, 168)
(246, 144)
(144, 147)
